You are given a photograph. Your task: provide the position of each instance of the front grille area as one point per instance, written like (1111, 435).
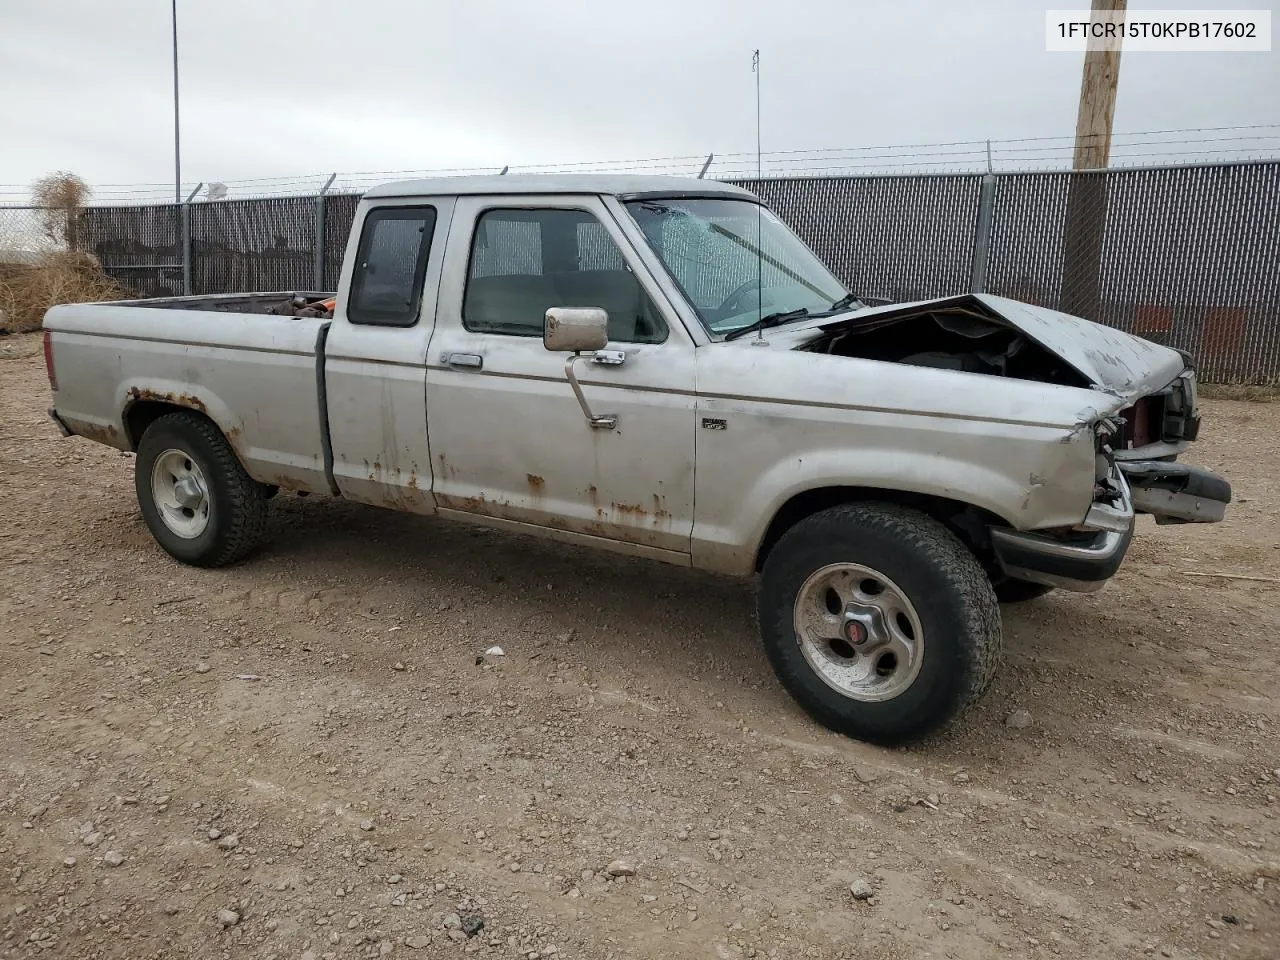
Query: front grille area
(1168, 416)
(1142, 423)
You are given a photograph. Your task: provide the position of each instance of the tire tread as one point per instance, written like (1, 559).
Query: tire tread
(243, 508)
(979, 637)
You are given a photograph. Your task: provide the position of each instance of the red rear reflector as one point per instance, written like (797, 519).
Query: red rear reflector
(48, 360)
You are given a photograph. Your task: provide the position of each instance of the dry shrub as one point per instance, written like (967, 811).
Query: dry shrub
(62, 198)
(27, 291)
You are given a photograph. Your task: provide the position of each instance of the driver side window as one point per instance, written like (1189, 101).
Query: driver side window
(524, 261)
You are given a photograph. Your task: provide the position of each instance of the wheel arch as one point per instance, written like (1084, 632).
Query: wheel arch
(143, 409)
(967, 521)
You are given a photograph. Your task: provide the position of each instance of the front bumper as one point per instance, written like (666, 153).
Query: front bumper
(1084, 559)
(1089, 555)
(1177, 492)
(1082, 564)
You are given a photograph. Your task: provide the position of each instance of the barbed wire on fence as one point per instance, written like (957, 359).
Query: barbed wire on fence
(1187, 254)
(1010, 154)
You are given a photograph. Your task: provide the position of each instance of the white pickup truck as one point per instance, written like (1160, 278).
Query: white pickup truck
(659, 366)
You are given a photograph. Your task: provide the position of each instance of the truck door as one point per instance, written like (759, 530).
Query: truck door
(509, 439)
(376, 353)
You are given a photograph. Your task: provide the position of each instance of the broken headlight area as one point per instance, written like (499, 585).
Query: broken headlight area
(1105, 474)
(1168, 416)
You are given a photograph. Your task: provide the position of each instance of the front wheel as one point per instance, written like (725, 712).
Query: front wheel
(879, 621)
(195, 496)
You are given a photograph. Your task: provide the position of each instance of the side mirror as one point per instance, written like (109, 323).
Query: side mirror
(575, 329)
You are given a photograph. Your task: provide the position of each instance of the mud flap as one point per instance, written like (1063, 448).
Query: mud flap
(1176, 492)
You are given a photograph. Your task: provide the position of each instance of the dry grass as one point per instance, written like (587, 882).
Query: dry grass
(27, 291)
(1258, 393)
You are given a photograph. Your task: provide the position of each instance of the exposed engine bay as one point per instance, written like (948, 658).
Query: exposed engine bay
(958, 335)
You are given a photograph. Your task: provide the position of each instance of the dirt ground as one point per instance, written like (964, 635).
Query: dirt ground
(300, 757)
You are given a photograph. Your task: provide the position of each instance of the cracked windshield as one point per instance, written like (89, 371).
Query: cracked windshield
(735, 261)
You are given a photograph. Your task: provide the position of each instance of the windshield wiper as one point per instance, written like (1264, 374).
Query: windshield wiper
(848, 300)
(768, 320)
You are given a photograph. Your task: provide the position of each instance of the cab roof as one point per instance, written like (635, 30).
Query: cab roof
(623, 186)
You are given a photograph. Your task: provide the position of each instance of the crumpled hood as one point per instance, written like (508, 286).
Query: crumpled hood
(1125, 366)
(1119, 362)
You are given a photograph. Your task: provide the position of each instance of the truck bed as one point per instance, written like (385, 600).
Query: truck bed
(276, 303)
(258, 376)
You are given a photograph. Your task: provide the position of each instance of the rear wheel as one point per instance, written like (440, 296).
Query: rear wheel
(879, 621)
(195, 496)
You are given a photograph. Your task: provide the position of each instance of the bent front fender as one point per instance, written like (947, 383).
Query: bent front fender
(1043, 484)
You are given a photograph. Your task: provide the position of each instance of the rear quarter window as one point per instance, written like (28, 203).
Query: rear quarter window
(391, 265)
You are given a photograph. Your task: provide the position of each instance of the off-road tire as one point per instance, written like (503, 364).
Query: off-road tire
(942, 579)
(237, 502)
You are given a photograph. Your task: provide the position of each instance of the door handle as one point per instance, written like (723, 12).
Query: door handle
(472, 361)
(610, 358)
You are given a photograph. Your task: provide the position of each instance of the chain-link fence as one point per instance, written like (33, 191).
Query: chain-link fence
(27, 232)
(897, 238)
(242, 245)
(139, 247)
(1188, 255)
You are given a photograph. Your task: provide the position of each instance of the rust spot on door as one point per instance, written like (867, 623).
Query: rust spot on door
(660, 513)
(471, 504)
(630, 511)
(536, 482)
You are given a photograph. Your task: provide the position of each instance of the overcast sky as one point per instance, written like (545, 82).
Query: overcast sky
(283, 87)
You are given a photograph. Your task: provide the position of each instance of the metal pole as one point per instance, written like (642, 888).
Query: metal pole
(755, 68)
(177, 138)
(982, 238)
(186, 241)
(318, 275)
(706, 166)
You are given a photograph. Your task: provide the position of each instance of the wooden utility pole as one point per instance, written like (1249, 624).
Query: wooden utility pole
(1087, 196)
(1097, 99)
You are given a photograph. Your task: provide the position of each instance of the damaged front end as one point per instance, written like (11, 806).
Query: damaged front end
(980, 333)
(957, 334)
(1140, 445)
(1154, 417)
(1084, 556)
